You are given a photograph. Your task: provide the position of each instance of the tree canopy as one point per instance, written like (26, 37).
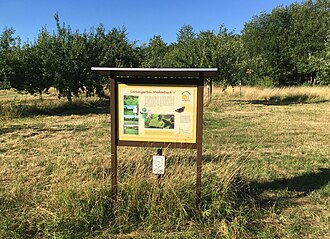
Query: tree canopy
(290, 42)
(288, 46)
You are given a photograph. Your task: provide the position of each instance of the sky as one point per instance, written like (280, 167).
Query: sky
(143, 19)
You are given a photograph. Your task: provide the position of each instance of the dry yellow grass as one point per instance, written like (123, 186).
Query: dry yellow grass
(54, 174)
(303, 93)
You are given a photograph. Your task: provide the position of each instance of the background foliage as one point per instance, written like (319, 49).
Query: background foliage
(289, 46)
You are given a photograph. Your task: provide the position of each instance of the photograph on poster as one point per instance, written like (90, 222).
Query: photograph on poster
(160, 121)
(131, 117)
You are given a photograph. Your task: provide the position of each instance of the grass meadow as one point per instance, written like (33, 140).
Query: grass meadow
(266, 170)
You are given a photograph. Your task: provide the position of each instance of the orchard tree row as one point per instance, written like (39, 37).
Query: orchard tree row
(63, 60)
(289, 46)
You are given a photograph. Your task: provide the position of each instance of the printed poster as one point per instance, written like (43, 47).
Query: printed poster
(157, 113)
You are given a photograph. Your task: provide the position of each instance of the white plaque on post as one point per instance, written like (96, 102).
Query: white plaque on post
(158, 164)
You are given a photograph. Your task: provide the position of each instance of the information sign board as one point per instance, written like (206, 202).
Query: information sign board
(157, 107)
(157, 113)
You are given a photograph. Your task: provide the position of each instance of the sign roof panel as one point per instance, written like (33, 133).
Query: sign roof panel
(157, 72)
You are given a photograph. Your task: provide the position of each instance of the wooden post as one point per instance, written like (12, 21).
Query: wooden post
(211, 90)
(159, 176)
(199, 139)
(114, 135)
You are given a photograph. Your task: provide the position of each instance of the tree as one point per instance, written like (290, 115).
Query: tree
(321, 64)
(223, 50)
(286, 38)
(266, 37)
(72, 58)
(184, 52)
(119, 51)
(28, 70)
(44, 49)
(154, 54)
(8, 44)
(307, 37)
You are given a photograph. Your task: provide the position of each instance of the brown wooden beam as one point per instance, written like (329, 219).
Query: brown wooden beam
(199, 138)
(157, 144)
(114, 136)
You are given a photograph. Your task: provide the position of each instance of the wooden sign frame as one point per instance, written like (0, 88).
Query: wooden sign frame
(164, 76)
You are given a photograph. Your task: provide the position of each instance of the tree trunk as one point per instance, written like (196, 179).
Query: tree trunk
(69, 95)
(40, 94)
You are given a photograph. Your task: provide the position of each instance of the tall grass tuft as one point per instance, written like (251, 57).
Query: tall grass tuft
(77, 211)
(291, 94)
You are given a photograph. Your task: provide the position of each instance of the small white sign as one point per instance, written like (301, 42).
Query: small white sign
(158, 164)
